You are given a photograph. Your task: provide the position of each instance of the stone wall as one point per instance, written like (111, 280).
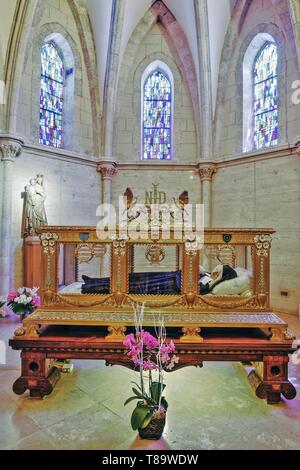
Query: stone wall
(263, 189)
(73, 195)
(173, 183)
(266, 193)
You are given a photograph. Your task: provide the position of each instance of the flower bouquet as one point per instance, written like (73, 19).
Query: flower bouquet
(151, 356)
(24, 301)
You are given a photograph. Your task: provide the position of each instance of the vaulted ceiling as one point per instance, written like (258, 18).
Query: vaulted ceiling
(101, 14)
(218, 18)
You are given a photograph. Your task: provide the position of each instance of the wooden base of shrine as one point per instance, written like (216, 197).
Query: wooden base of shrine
(32, 262)
(39, 374)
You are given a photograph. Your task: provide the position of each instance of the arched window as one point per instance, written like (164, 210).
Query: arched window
(266, 97)
(157, 116)
(51, 97)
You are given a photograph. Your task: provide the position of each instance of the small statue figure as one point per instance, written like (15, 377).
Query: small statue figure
(129, 198)
(34, 215)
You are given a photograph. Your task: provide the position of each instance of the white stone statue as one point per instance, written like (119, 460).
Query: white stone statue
(34, 215)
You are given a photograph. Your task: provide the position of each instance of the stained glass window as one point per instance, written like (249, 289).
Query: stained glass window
(51, 98)
(266, 98)
(157, 117)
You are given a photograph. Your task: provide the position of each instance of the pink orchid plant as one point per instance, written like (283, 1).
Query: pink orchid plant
(151, 355)
(24, 301)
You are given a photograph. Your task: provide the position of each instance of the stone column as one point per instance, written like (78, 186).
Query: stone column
(205, 82)
(9, 150)
(206, 172)
(107, 169)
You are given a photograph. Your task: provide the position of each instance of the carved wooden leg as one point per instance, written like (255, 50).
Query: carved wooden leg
(275, 380)
(191, 334)
(38, 375)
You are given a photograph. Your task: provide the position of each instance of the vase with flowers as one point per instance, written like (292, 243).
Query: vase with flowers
(151, 356)
(24, 301)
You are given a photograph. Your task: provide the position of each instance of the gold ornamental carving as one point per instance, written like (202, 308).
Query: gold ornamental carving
(48, 241)
(116, 333)
(191, 334)
(30, 329)
(263, 245)
(192, 245)
(155, 254)
(119, 245)
(19, 332)
(279, 335)
(77, 300)
(85, 252)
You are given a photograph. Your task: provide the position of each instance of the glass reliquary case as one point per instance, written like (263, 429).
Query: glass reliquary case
(230, 272)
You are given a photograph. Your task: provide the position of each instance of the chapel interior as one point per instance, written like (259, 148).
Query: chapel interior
(173, 103)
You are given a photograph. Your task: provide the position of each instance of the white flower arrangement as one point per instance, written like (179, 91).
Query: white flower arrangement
(24, 300)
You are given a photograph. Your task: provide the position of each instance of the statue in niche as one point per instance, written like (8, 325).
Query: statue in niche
(34, 214)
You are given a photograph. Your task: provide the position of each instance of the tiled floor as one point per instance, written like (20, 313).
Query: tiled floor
(210, 408)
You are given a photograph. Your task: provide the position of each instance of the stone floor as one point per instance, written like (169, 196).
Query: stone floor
(210, 408)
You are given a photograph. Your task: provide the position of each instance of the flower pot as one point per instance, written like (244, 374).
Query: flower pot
(155, 428)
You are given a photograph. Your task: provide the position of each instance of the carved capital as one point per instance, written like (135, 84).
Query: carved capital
(107, 169)
(207, 171)
(191, 334)
(9, 150)
(116, 333)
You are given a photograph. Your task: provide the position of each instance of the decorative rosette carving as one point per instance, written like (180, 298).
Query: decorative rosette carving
(263, 244)
(192, 245)
(48, 242)
(119, 245)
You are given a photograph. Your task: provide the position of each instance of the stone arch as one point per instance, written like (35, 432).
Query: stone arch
(2, 85)
(15, 64)
(54, 32)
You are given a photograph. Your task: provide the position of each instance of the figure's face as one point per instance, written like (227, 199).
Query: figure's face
(39, 180)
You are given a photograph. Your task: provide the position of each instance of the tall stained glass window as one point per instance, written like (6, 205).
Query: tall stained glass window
(266, 97)
(157, 117)
(51, 98)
